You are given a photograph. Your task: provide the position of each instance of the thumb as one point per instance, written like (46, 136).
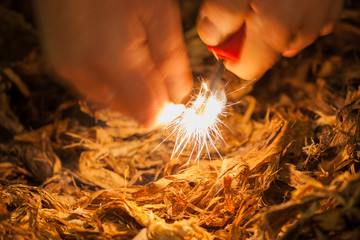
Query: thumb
(219, 19)
(168, 50)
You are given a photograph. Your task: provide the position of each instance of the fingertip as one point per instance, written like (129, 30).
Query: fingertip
(146, 113)
(290, 53)
(326, 30)
(219, 19)
(141, 109)
(208, 32)
(141, 94)
(179, 87)
(146, 121)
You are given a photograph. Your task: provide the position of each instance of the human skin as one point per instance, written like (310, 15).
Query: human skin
(272, 28)
(126, 55)
(130, 55)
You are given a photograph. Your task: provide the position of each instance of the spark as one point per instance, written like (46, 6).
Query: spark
(196, 125)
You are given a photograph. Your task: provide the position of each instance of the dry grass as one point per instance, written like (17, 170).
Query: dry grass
(289, 169)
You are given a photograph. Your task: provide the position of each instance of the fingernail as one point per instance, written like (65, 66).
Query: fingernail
(208, 31)
(179, 90)
(146, 121)
(290, 52)
(327, 30)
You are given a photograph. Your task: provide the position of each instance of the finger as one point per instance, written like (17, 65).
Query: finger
(276, 24)
(299, 21)
(124, 77)
(299, 41)
(312, 19)
(334, 14)
(135, 92)
(166, 42)
(327, 29)
(257, 55)
(141, 91)
(290, 52)
(219, 19)
(141, 95)
(319, 21)
(102, 51)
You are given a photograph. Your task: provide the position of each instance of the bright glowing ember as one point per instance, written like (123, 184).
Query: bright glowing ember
(195, 126)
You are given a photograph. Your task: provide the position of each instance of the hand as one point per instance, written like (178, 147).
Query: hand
(272, 28)
(128, 55)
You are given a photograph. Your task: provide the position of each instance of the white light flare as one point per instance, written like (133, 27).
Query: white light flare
(170, 112)
(195, 126)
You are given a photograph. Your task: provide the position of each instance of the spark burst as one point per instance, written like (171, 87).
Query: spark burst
(196, 126)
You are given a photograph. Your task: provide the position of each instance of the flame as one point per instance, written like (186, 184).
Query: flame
(197, 124)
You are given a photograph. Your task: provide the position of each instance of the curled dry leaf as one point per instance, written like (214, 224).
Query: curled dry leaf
(288, 168)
